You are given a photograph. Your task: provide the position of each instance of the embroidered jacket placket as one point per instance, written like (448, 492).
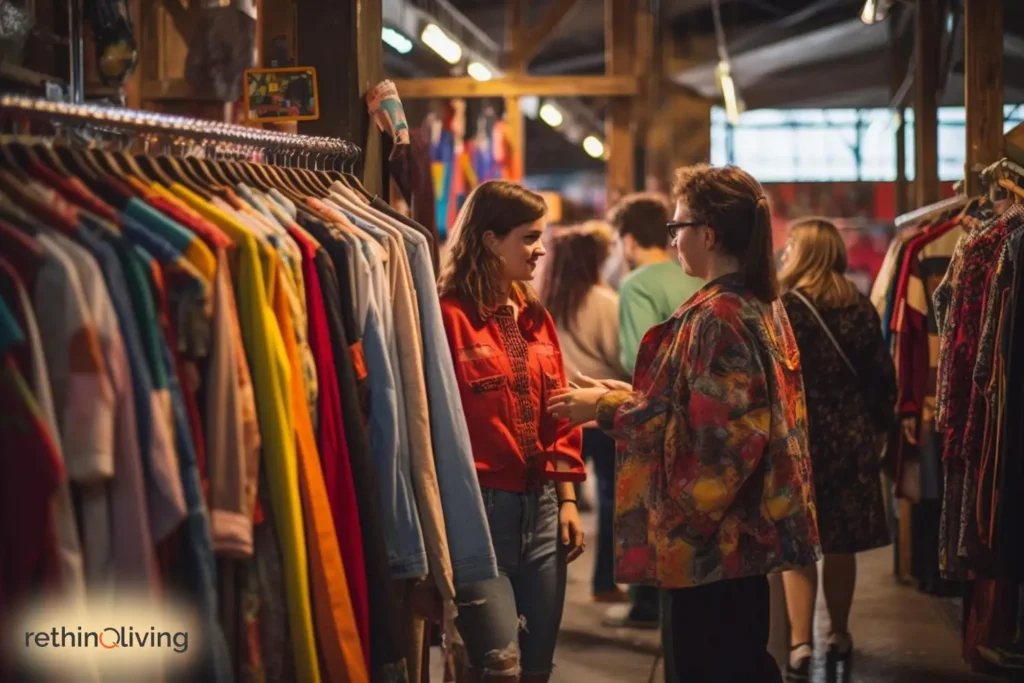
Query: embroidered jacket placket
(526, 420)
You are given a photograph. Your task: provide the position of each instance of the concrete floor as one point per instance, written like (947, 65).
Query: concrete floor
(901, 636)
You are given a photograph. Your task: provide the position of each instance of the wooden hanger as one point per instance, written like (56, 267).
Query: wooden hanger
(354, 182)
(24, 197)
(173, 168)
(18, 158)
(294, 179)
(1013, 188)
(152, 170)
(968, 207)
(78, 164)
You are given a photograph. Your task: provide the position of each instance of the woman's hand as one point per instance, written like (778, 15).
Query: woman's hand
(578, 406)
(571, 530)
(584, 382)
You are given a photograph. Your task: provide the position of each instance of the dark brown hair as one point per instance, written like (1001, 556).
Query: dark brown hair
(573, 268)
(732, 203)
(642, 215)
(470, 270)
(816, 264)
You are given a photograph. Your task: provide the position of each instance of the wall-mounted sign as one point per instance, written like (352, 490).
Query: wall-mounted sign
(281, 94)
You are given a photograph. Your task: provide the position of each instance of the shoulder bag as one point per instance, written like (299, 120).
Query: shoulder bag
(911, 475)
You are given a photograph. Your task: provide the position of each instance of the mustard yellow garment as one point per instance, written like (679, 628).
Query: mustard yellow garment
(271, 374)
(197, 253)
(336, 629)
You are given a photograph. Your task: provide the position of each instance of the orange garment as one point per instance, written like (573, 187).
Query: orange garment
(333, 616)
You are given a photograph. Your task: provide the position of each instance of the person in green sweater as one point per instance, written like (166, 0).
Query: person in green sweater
(650, 294)
(657, 285)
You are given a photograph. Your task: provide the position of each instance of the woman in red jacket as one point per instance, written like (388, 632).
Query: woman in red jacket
(508, 363)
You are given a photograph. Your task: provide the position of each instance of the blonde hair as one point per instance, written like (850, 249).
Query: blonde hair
(816, 264)
(470, 270)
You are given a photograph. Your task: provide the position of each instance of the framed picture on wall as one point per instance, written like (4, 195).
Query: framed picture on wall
(277, 95)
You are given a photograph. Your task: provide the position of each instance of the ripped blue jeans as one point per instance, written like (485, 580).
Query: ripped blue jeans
(520, 612)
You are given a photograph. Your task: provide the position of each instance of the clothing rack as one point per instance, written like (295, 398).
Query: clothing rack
(925, 211)
(990, 172)
(175, 125)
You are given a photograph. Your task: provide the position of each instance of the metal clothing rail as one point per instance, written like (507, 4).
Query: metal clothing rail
(925, 211)
(991, 172)
(172, 124)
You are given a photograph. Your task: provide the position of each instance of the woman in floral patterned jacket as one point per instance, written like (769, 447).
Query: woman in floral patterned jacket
(714, 487)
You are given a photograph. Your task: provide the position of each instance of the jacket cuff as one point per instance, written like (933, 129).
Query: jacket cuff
(608, 407)
(232, 534)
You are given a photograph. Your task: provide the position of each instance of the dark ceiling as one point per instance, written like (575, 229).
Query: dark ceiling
(784, 53)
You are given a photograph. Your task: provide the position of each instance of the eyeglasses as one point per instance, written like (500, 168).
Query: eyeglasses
(675, 226)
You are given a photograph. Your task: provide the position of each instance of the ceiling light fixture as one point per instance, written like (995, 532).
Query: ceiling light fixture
(398, 42)
(550, 115)
(723, 73)
(593, 146)
(875, 11)
(479, 71)
(729, 96)
(529, 105)
(439, 41)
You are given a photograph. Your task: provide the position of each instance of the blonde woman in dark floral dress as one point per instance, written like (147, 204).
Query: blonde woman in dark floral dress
(851, 395)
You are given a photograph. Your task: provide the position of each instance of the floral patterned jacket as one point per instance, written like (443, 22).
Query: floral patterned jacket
(713, 474)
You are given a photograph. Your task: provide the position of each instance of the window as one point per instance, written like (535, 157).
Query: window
(778, 145)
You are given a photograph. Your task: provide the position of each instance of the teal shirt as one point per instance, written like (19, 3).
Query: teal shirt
(648, 296)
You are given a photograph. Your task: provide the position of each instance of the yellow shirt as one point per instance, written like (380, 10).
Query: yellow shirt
(336, 628)
(271, 374)
(196, 253)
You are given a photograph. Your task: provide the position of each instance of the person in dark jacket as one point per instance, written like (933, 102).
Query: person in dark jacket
(851, 394)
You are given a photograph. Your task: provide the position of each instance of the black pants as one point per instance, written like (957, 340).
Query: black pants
(600, 448)
(719, 633)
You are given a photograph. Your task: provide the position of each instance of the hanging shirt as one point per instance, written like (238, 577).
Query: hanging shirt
(469, 537)
(406, 551)
(32, 473)
(231, 428)
(337, 630)
(271, 371)
(417, 413)
(145, 501)
(32, 365)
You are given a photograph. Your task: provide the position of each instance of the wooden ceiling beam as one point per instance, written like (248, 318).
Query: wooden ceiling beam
(534, 38)
(515, 85)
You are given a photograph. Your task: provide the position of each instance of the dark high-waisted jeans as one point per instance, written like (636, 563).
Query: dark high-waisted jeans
(510, 623)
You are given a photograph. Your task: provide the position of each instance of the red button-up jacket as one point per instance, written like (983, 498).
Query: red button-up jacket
(506, 369)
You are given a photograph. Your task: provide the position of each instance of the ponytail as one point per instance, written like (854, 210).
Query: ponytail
(758, 261)
(733, 204)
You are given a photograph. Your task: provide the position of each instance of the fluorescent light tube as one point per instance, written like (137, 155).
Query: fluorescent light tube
(728, 88)
(550, 115)
(439, 41)
(875, 11)
(396, 40)
(593, 146)
(479, 71)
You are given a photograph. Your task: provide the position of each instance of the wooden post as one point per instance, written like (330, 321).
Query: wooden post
(899, 62)
(983, 85)
(516, 129)
(902, 196)
(928, 31)
(347, 34)
(620, 39)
